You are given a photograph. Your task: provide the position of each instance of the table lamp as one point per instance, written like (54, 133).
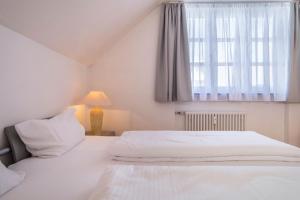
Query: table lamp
(96, 99)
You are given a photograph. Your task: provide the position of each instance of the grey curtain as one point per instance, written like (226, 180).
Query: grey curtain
(173, 77)
(294, 80)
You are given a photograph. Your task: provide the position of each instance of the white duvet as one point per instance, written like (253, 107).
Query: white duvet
(181, 146)
(199, 183)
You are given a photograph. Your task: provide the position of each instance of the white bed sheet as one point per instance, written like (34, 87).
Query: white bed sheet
(72, 176)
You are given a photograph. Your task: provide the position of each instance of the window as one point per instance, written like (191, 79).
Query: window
(239, 51)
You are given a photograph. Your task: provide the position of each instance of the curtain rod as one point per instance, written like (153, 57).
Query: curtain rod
(231, 1)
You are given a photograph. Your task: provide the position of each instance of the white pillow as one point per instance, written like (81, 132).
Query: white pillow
(9, 179)
(51, 137)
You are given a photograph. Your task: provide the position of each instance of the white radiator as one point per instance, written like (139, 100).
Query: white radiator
(198, 121)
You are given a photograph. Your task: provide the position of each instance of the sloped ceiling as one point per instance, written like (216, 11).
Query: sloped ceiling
(79, 29)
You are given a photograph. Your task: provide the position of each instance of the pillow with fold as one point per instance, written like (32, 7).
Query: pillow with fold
(9, 179)
(51, 137)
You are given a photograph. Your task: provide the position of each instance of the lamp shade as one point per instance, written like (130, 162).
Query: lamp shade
(96, 98)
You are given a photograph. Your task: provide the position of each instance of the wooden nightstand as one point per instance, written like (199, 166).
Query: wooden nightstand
(102, 133)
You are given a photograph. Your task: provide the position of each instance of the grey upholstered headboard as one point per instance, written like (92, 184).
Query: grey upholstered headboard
(17, 147)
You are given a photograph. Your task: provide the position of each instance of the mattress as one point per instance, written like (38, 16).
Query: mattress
(72, 176)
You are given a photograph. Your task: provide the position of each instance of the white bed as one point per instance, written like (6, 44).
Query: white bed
(169, 165)
(88, 171)
(72, 176)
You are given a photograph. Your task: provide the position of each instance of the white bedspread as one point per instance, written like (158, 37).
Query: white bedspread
(180, 146)
(199, 183)
(71, 176)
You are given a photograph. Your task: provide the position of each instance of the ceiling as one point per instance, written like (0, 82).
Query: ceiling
(79, 29)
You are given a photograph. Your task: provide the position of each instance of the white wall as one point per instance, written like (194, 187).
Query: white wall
(126, 73)
(35, 82)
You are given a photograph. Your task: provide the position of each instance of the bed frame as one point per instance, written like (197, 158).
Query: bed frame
(16, 146)
(4, 151)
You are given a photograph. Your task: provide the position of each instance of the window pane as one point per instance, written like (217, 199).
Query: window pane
(260, 27)
(201, 28)
(226, 27)
(224, 76)
(198, 77)
(197, 52)
(271, 20)
(225, 52)
(221, 52)
(197, 28)
(220, 28)
(260, 52)
(257, 27)
(253, 27)
(232, 27)
(254, 79)
(253, 54)
(195, 77)
(257, 76)
(257, 51)
(271, 78)
(260, 75)
(271, 52)
(202, 78)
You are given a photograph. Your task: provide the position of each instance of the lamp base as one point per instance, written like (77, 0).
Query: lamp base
(96, 120)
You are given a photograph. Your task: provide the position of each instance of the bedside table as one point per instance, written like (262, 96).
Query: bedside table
(102, 133)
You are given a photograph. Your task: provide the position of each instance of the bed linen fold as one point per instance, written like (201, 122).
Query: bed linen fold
(181, 146)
